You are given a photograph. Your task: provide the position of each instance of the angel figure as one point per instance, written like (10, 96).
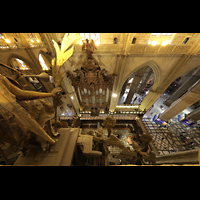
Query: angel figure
(23, 121)
(89, 48)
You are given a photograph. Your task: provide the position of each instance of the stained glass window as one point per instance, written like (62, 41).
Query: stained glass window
(42, 63)
(23, 66)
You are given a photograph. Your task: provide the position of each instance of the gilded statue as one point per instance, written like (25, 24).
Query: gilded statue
(27, 113)
(11, 110)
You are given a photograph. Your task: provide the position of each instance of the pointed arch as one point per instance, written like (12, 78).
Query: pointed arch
(44, 60)
(45, 55)
(156, 69)
(28, 62)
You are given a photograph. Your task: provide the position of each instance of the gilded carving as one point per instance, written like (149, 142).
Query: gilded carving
(93, 83)
(62, 55)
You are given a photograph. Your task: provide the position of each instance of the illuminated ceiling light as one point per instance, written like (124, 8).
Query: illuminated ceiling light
(97, 42)
(37, 40)
(154, 43)
(87, 36)
(92, 36)
(42, 62)
(165, 42)
(98, 37)
(82, 35)
(149, 42)
(120, 106)
(72, 97)
(1, 36)
(114, 95)
(32, 41)
(8, 41)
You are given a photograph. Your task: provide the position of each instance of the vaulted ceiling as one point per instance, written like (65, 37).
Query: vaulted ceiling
(119, 53)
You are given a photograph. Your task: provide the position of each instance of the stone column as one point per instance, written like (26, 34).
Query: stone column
(121, 60)
(134, 85)
(141, 124)
(189, 98)
(194, 115)
(185, 157)
(69, 90)
(145, 79)
(149, 100)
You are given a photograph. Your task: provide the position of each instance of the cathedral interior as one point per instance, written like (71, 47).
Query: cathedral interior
(99, 99)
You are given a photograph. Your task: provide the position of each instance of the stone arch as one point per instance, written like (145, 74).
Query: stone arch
(157, 76)
(46, 59)
(156, 69)
(45, 55)
(28, 62)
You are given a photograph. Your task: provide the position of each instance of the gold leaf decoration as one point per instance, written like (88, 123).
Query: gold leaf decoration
(62, 55)
(66, 52)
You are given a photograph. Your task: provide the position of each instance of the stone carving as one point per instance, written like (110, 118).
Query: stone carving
(89, 48)
(144, 153)
(109, 122)
(93, 86)
(62, 55)
(24, 126)
(99, 132)
(76, 122)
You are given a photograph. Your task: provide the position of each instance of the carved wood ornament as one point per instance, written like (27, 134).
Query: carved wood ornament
(93, 86)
